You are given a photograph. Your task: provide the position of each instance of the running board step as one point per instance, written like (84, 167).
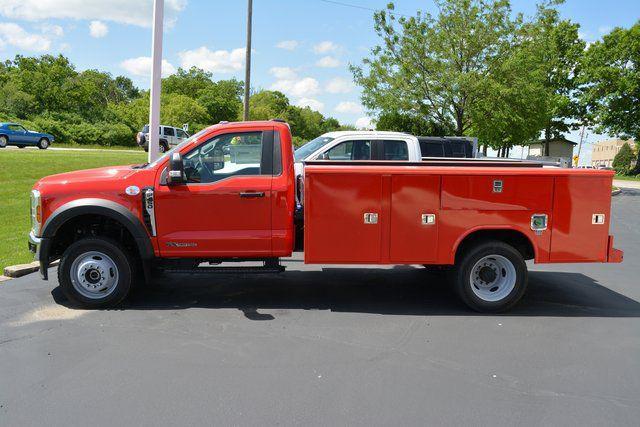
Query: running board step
(229, 270)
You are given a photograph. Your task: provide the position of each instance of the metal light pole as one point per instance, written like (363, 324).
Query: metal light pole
(247, 71)
(156, 79)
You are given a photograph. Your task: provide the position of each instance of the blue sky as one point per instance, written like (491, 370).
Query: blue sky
(301, 47)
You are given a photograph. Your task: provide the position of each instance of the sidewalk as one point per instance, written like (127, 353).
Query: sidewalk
(621, 183)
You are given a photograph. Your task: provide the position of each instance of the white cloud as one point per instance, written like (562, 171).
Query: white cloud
(98, 29)
(289, 83)
(217, 61)
(312, 103)
(325, 47)
(364, 123)
(306, 86)
(141, 66)
(339, 85)
(138, 12)
(52, 30)
(14, 35)
(328, 62)
(605, 29)
(348, 107)
(287, 44)
(283, 73)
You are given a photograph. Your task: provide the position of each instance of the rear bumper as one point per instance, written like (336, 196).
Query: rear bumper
(614, 255)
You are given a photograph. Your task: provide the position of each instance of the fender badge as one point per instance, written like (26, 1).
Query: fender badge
(132, 190)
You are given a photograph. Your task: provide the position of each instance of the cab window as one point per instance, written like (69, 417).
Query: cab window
(395, 150)
(181, 133)
(169, 132)
(349, 150)
(224, 156)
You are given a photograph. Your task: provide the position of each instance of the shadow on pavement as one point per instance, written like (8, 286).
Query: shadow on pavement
(402, 290)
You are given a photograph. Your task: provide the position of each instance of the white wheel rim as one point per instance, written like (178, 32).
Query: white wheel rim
(493, 278)
(94, 275)
(3, 142)
(44, 143)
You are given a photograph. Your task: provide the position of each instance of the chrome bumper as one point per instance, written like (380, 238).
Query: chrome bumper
(34, 244)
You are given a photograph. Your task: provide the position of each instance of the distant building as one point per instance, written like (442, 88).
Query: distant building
(604, 151)
(560, 149)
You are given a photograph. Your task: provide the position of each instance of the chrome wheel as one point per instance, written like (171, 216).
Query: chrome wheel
(44, 143)
(493, 278)
(94, 275)
(3, 141)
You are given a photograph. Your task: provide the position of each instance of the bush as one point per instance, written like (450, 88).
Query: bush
(622, 162)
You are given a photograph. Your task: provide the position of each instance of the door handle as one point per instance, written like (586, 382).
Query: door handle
(252, 194)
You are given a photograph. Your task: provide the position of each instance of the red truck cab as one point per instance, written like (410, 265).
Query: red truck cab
(228, 194)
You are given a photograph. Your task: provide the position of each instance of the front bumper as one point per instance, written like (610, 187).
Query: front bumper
(34, 244)
(39, 246)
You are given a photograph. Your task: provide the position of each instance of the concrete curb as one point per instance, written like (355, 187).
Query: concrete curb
(616, 192)
(19, 270)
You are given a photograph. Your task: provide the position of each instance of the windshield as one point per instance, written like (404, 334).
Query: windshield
(311, 147)
(176, 148)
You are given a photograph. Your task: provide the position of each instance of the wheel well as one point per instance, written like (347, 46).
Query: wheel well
(91, 225)
(511, 237)
(43, 137)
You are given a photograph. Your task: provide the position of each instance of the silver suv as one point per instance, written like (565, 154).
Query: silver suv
(169, 137)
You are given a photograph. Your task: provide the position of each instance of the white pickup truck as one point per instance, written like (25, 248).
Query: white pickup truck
(380, 145)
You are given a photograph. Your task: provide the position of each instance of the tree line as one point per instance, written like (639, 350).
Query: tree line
(478, 69)
(48, 94)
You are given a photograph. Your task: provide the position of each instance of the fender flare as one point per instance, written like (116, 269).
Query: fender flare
(470, 231)
(95, 206)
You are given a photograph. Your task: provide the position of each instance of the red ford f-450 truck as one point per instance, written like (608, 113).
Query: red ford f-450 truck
(229, 193)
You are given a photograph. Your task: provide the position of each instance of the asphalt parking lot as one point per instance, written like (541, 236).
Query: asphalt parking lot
(328, 345)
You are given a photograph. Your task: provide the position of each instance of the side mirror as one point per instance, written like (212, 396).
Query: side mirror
(324, 156)
(176, 170)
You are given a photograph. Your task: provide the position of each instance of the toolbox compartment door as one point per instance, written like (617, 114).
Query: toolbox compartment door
(575, 237)
(335, 226)
(411, 239)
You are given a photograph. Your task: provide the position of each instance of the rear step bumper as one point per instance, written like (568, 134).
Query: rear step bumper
(614, 255)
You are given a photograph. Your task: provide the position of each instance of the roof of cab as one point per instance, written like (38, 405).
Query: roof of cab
(372, 133)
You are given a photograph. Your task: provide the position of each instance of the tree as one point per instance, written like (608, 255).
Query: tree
(187, 82)
(611, 75)
(435, 68)
(558, 53)
(406, 122)
(222, 100)
(622, 162)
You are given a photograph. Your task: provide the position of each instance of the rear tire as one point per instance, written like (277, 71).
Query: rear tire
(43, 144)
(490, 277)
(95, 273)
(3, 141)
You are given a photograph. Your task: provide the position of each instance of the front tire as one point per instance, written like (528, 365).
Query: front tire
(43, 144)
(490, 277)
(95, 273)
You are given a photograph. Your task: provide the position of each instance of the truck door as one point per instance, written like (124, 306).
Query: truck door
(224, 209)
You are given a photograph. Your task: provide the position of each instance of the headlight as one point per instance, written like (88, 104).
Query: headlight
(36, 212)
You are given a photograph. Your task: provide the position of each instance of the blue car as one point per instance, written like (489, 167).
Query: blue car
(16, 134)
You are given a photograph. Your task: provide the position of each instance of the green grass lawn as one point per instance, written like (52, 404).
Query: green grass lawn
(19, 170)
(627, 178)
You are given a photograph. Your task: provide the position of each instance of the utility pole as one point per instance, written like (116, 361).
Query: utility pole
(580, 144)
(247, 71)
(156, 79)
